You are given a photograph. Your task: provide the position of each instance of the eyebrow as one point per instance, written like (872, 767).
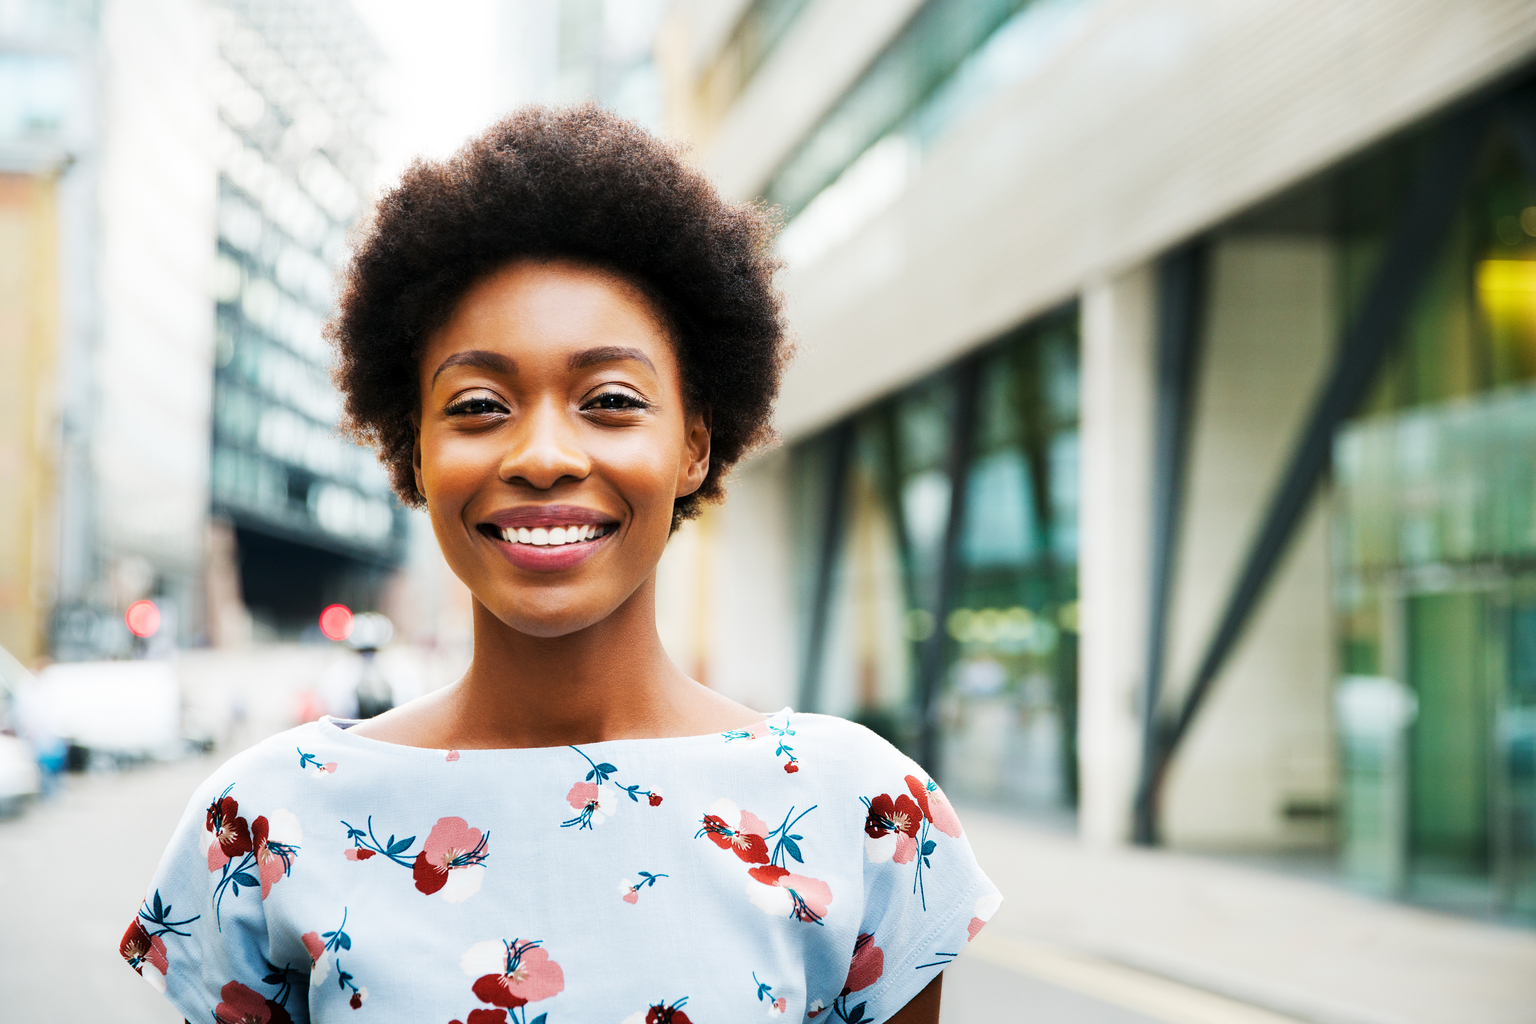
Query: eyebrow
(476, 357)
(608, 354)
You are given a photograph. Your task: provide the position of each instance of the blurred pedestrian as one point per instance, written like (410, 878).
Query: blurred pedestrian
(561, 339)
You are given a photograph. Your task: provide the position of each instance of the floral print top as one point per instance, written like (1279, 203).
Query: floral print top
(801, 868)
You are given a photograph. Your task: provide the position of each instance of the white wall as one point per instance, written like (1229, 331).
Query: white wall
(1265, 736)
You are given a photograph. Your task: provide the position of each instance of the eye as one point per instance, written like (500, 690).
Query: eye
(475, 404)
(615, 401)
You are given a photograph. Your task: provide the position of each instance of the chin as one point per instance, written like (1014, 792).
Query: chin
(549, 623)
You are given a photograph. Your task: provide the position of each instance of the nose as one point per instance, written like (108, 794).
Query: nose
(544, 449)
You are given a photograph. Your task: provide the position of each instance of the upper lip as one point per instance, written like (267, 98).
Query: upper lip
(530, 516)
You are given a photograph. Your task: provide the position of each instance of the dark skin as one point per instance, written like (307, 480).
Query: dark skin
(554, 391)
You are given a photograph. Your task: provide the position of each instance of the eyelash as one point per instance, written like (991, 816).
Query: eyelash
(630, 402)
(467, 407)
(483, 406)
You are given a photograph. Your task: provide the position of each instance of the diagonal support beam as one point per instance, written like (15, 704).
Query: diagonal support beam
(832, 524)
(1181, 301)
(1410, 256)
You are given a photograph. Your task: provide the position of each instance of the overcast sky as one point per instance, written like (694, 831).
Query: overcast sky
(442, 82)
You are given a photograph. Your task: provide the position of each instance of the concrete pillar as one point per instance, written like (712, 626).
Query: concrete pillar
(1118, 383)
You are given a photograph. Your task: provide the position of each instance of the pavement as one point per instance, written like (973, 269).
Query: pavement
(1085, 936)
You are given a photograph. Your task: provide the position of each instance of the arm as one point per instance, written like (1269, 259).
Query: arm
(924, 1007)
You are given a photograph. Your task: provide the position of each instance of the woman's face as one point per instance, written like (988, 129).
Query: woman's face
(552, 442)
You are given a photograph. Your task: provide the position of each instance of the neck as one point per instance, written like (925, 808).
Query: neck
(612, 680)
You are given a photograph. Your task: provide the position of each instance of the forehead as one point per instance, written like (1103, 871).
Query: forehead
(550, 307)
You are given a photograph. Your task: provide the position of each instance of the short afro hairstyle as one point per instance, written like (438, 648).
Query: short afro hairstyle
(576, 183)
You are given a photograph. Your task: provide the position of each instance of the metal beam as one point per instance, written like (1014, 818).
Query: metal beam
(1410, 256)
(958, 466)
(840, 442)
(1181, 301)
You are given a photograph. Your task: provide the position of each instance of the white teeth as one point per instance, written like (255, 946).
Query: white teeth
(554, 536)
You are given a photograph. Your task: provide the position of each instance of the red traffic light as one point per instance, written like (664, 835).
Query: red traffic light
(336, 622)
(143, 619)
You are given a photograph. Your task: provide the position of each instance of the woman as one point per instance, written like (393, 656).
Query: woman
(560, 340)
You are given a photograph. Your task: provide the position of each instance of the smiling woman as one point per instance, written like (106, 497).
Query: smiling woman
(560, 340)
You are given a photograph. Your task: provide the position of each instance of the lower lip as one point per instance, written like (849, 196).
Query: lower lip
(551, 558)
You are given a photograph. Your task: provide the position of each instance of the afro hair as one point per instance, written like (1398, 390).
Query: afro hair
(577, 183)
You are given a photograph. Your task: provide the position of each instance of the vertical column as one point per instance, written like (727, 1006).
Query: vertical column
(1118, 386)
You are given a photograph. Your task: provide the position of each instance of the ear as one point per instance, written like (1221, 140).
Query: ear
(695, 455)
(416, 454)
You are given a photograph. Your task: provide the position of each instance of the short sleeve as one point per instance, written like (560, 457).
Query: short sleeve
(200, 936)
(925, 896)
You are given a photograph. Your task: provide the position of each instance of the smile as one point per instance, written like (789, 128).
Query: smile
(555, 536)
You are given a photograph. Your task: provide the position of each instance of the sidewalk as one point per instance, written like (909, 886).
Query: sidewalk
(1185, 938)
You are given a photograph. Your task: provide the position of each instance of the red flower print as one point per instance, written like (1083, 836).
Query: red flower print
(867, 966)
(783, 894)
(936, 807)
(275, 843)
(520, 972)
(141, 950)
(792, 767)
(450, 860)
(655, 799)
(740, 831)
(225, 834)
(891, 826)
(358, 853)
(359, 996)
(484, 1017)
(242, 1006)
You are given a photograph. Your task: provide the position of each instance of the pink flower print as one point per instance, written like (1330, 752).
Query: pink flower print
(935, 805)
(450, 861)
(782, 894)
(240, 1005)
(592, 805)
(890, 829)
(867, 965)
(452, 755)
(225, 834)
(142, 950)
(630, 891)
(741, 832)
(777, 1007)
(307, 761)
(986, 906)
(319, 963)
(275, 842)
(513, 973)
(358, 853)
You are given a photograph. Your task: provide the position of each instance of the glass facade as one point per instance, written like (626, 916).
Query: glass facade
(1007, 696)
(1435, 560)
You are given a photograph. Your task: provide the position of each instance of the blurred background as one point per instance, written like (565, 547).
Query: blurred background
(1158, 466)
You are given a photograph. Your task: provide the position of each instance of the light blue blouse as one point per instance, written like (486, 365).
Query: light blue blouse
(803, 868)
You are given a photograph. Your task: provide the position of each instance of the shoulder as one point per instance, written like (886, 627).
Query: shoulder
(850, 751)
(269, 763)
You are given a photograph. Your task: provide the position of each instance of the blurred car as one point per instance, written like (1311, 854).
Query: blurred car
(112, 710)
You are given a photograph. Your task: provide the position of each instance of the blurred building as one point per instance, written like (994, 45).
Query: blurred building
(310, 516)
(174, 175)
(567, 51)
(1159, 448)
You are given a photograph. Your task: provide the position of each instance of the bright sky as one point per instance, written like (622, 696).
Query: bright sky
(441, 84)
